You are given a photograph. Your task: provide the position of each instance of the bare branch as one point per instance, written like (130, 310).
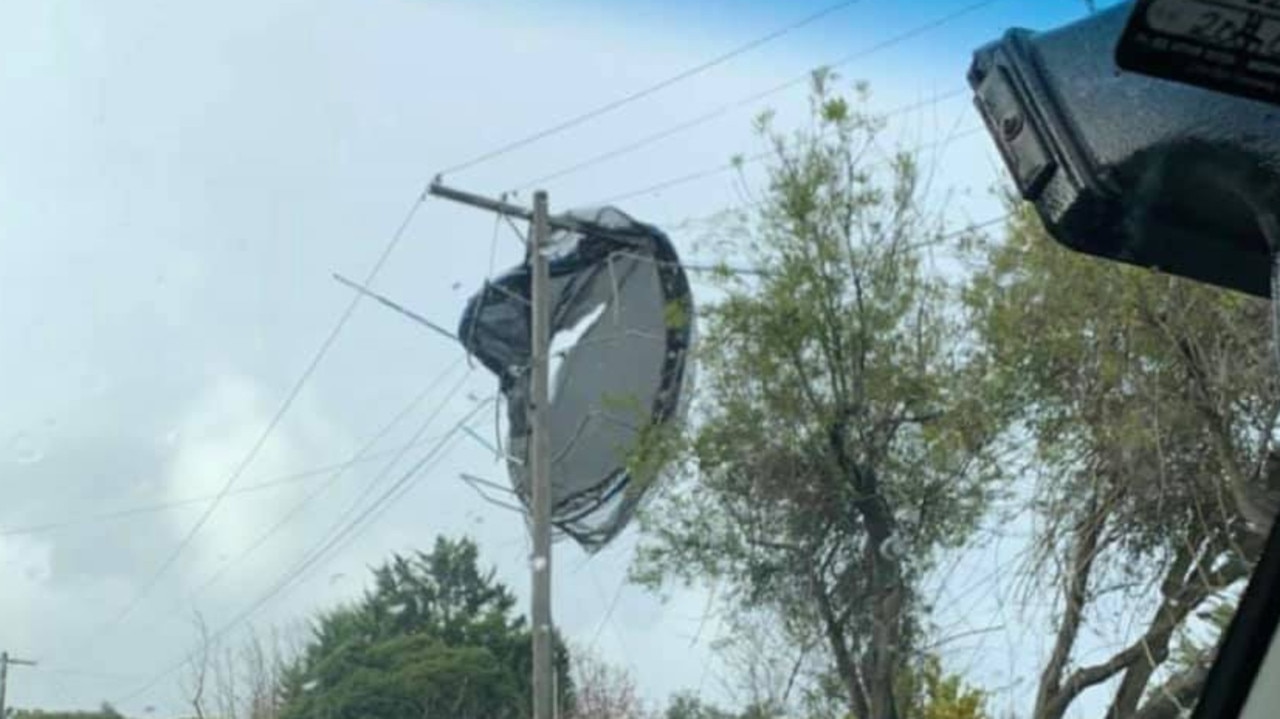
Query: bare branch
(1154, 644)
(1053, 697)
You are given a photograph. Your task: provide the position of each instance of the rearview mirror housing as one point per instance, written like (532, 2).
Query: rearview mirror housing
(1128, 167)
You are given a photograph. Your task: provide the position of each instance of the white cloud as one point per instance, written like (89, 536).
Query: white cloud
(212, 441)
(189, 177)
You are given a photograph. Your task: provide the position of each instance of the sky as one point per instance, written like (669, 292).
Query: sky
(178, 183)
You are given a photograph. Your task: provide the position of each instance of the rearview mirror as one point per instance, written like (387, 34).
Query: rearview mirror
(1129, 167)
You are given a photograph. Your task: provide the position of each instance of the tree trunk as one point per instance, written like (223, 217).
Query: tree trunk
(1156, 644)
(845, 664)
(1048, 696)
(886, 650)
(886, 573)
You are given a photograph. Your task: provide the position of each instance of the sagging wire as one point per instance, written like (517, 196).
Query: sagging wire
(479, 484)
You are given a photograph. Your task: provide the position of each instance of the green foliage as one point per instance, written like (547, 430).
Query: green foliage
(932, 694)
(840, 436)
(434, 637)
(1162, 385)
(1150, 404)
(688, 706)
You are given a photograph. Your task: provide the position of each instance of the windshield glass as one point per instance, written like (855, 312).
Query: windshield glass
(814, 392)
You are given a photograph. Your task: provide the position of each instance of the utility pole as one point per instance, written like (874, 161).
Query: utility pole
(544, 679)
(540, 460)
(5, 661)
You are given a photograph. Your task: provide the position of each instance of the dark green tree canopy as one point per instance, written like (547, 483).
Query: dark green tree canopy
(435, 636)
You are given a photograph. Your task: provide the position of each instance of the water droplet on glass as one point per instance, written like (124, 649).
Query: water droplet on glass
(311, 685)
(25, 449)
(539, 564)
(396, 609)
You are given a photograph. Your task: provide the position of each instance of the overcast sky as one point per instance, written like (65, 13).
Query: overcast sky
(178, 181)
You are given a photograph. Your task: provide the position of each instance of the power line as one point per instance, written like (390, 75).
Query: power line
(104, 676)
(298, 507)
(651, 89)
(755, 97)
(758, 157)
(341, 528)
(338, 531)
(949, 235)
(371, 514)
(310, 369)
(720, 268)
(608, 615)
(280, 481)
(676, 129)
(433, 457)
(275, 591)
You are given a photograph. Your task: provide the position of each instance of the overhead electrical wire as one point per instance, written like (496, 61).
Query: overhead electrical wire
(758, 157)
(612, 105)
(388, 499)
(295, 391)
(167, 564)
(747, 271)
(281, 481)
(677, 129)
(300, 505)
(342, 527)
(436, 454)
(755, 97)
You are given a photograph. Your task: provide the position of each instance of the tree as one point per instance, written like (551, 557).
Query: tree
(1152, 405)
(602, 691)
(436, 636)
(837, 442)
(688, 706)
(237, 681)
(937, 695)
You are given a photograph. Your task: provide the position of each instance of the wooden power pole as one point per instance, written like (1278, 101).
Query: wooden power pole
(540, 463)
(5, 661)
(544, 695)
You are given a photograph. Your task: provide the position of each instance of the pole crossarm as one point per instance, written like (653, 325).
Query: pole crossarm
(502, 207)
(6, 660)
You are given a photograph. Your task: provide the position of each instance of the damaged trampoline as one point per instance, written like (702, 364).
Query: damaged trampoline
(621, 334)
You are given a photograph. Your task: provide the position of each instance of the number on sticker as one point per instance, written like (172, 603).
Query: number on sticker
(1220, 29)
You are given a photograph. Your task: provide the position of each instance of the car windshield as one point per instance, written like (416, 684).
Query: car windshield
(824, 359)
